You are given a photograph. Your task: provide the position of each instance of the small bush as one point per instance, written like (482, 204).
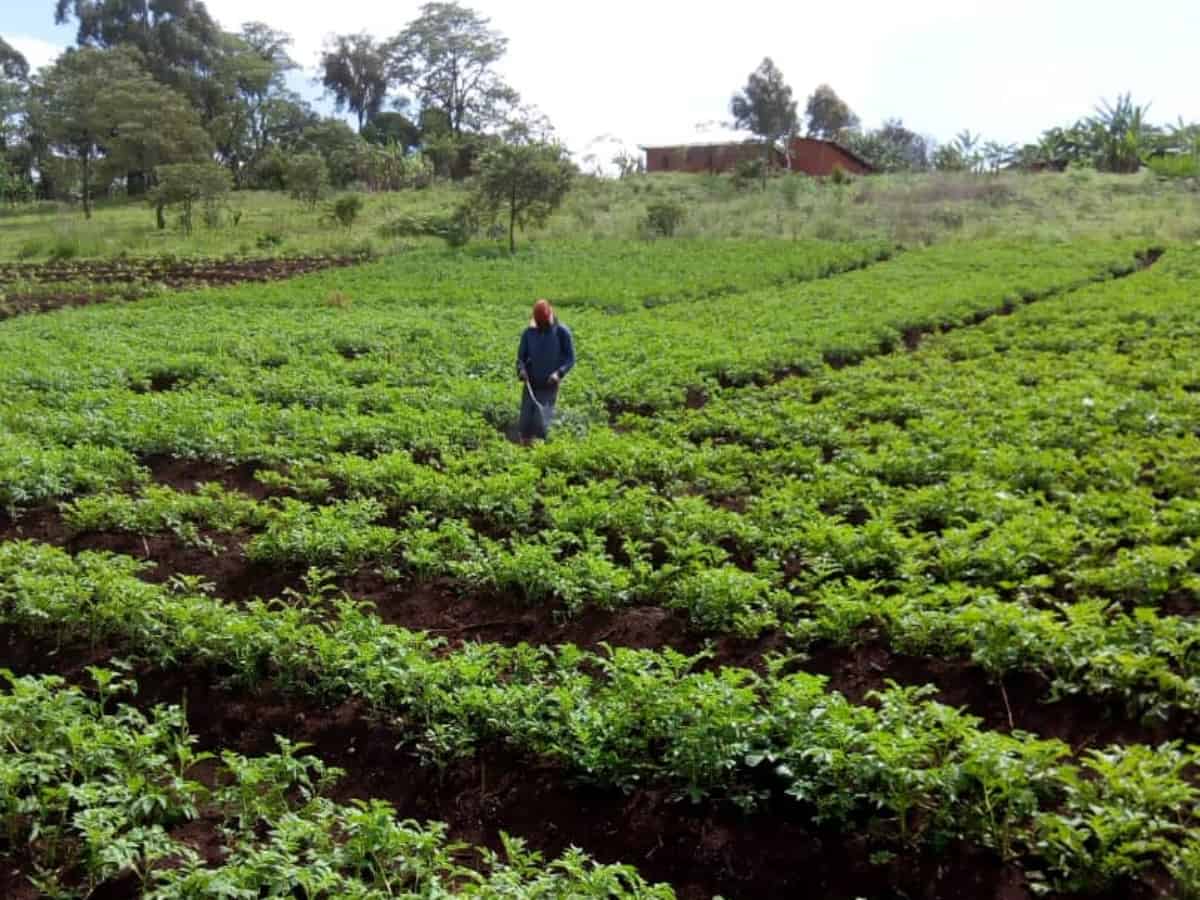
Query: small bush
(456, 228)
(840, 176)
(307, 177)
(212, 216)
(63, 248)
(1178, 166)
(664, 218)
(338, 300)
(361, 249)
(949, 217)
(31, 249)
(790, 189)
(269, 240)
(345, 210)
(749, 172)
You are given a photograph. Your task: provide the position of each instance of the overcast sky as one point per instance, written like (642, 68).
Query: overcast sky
(651, 71)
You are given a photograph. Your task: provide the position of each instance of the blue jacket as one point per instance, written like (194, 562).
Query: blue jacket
(545, 351)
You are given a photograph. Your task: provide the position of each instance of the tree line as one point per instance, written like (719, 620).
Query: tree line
(152, 84)
(157, 100)
(1117, 137)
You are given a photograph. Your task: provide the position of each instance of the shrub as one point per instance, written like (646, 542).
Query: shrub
(269, 240)
(31, 248)
(344, 211)
(790, 189)
(307, 177)
(187, 184)
(456, 228)
(1177, 166)
(749, 172)
(63, 248)
(664, 218)
(840, 176)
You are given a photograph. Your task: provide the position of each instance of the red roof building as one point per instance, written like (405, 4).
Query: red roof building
(816, 157)
(808, 156)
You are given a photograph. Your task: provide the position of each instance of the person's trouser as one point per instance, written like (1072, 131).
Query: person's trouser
(534, 422)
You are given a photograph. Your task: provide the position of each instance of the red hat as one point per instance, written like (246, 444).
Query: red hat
(542, 313)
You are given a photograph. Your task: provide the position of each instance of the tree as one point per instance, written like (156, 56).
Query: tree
(766, 108)
(963, 154)
(186, 184)
(14, 78)
(891, 148)
(178, 39)
(389, 128)
(525, 181)
(448, 56)
(251, 69)
(355, 70)
(1116, 138)
(1121, 136)
(98, 106)
(389, 168)
(337, 144)
(828, 114)
(13, 66)
(994, 156)
(307, 177)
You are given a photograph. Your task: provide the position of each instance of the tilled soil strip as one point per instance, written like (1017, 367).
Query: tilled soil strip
(85, 283)
(702, 849)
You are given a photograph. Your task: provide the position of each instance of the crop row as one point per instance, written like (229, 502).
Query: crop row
(1141, 659)
(96, 793)
(906, 769)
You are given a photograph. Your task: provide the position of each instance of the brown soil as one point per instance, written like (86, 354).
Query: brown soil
(1019, 704)
(89, 282)
(187, 474)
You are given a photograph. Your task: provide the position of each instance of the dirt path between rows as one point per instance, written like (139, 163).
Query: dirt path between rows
(702, 849)
(33, 288)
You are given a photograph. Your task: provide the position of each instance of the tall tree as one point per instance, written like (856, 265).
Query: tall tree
(14, 77)
(892, 147)
(766, 108)
(447, 55)
(355, 70)
(337, 144)
(251, 69)
(180, 43)
(1121, 134)
(102, 107)
(828, 114)
(523, 182)
(393, 128)
(178, 39)
(13, 66)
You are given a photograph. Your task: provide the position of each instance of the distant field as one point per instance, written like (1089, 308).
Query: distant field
(908, 209)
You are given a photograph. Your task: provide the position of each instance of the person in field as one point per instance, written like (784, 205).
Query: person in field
(545, 356)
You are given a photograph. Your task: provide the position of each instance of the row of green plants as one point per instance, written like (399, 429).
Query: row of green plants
(907, 770)
(1140, 659)
(97, 793)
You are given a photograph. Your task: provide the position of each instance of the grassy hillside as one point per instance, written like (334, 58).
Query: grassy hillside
(909, 209)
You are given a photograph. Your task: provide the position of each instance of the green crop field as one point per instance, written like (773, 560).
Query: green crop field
(856, 565)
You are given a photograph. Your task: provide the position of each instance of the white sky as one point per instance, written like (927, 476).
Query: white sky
(649, 72)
